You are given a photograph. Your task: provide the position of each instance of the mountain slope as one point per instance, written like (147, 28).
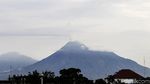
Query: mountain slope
(93, 64)
(13, 60)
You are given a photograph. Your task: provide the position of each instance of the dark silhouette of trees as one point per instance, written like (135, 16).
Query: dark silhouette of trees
(100, 81)
(48, 77)
(73, 76)
(110, 79)
(67, 76)
(33, 78)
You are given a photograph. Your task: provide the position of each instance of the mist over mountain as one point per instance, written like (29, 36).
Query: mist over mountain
(14, 60)
(93, 64)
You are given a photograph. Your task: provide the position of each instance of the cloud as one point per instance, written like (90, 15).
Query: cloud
(86, 20)
(84, 15)
(135, 9)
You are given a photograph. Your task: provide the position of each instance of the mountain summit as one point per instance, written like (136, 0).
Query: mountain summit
(93, 64)
(73, 46)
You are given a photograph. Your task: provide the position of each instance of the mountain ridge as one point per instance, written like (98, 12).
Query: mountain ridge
(93, 64)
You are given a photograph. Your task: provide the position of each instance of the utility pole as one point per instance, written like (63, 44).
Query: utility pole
(10, 74)
(74, 81)
(10, 71)
(42, 79)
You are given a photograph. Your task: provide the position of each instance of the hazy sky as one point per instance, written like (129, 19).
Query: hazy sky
(38, 28)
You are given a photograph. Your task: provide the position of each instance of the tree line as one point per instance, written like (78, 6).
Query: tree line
(67, 76)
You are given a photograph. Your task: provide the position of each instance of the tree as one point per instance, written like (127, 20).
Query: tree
(48, 74)
(73, 76)
(110, 79)
(100, 81)
(48, 77)
(33, 78)
(71, 72)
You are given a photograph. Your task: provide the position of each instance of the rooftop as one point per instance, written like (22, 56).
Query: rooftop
(127, 74)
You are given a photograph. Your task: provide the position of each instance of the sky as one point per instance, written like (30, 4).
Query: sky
(38, 28)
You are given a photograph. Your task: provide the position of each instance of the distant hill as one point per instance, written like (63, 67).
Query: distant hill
(13, 60)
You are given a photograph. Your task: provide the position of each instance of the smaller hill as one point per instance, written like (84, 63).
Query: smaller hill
(14, 60)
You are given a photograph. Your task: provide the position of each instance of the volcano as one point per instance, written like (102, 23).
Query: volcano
(93, 64)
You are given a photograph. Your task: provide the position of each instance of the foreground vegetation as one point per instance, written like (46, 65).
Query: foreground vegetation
(67, 76)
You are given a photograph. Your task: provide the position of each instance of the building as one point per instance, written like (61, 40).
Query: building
(127, 76)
